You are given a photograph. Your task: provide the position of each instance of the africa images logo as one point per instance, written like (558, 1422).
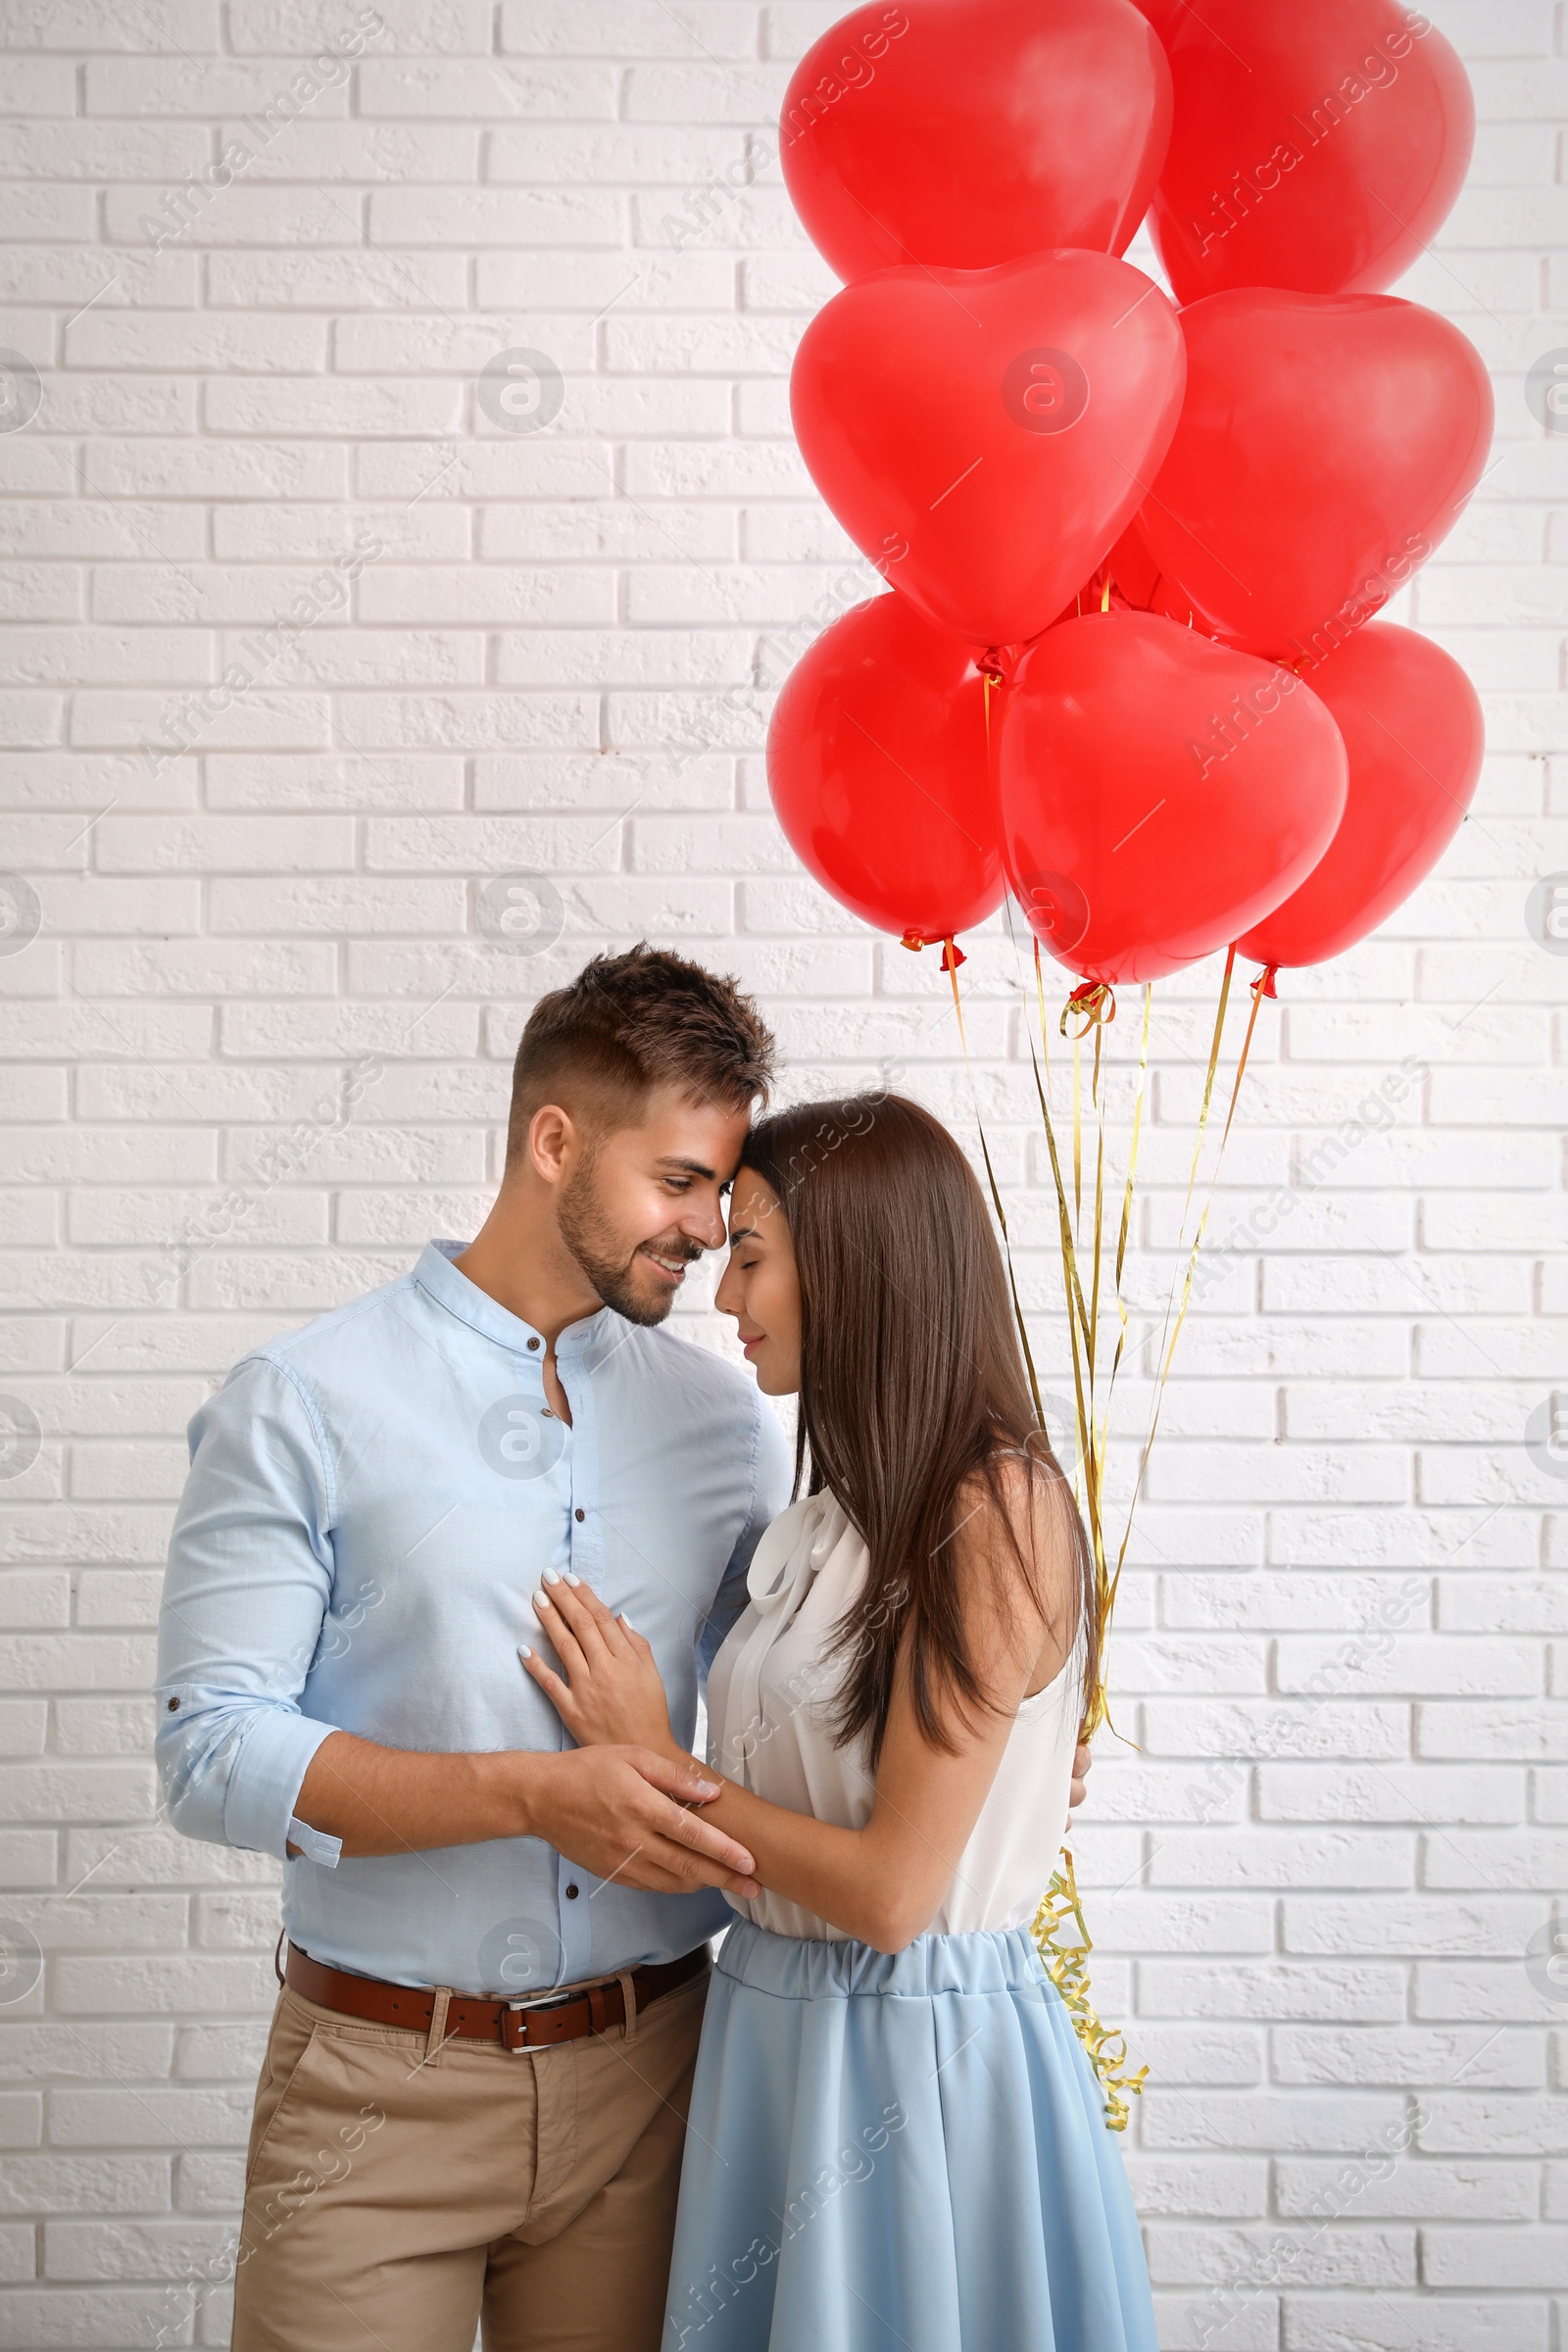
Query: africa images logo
(522, 391)
(521, 1437)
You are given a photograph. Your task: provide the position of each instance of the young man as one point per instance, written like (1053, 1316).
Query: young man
(370, 1503)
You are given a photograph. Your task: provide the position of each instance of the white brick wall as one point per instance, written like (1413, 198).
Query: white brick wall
(1343, 1654)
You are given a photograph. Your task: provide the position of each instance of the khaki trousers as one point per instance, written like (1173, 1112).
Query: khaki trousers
(401, 2190)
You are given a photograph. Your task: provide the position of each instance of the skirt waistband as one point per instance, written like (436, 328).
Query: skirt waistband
(804, 1968)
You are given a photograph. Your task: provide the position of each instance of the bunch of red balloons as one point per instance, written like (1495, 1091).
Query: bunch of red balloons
(1124, 667)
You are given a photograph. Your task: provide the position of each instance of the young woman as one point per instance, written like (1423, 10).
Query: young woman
(896, 2137)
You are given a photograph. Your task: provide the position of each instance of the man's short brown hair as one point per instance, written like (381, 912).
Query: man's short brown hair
(632, 1022)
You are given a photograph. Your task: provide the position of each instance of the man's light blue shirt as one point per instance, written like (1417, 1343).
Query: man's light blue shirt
(370, 1506)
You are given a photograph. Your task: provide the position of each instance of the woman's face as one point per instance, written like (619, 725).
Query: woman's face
(761, 1287)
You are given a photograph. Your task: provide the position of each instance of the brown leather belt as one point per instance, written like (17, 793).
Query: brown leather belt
(529, 2025)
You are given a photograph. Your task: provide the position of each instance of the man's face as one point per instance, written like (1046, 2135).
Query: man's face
(643, 1202)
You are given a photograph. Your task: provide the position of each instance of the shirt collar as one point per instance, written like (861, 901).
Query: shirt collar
(582, 1342)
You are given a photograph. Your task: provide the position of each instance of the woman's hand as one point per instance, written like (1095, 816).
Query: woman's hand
(612, 1695)
(1081, 1762)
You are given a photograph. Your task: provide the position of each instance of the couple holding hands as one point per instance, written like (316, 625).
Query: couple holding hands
(450, 1565)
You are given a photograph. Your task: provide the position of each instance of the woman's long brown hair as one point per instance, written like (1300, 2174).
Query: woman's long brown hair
(912, 1387)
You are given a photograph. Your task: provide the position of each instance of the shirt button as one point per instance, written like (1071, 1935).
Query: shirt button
(174, 1706)
(580, 1514)
(533, 1344)
(571, 1894)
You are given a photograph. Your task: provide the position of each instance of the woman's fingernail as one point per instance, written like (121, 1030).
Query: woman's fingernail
(627, 1623)
(525, 1651)
(573, 1580)
(551, 1576)
(707, 1788)
(541, 1600)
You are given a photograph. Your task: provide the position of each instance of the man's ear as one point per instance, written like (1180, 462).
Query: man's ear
(554, 1142)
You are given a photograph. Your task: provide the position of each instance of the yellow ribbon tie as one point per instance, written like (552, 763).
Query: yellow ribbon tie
(1093, 1003)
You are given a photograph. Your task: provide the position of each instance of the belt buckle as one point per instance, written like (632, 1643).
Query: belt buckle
(540, 2000)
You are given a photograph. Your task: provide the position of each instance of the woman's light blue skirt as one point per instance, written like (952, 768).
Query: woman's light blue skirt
(900, 2150)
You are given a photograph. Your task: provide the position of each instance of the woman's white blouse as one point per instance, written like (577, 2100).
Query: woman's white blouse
(769, 1699)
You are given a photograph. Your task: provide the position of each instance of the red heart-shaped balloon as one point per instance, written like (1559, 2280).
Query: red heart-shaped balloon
(967, 132)
(878, 765)
(1326, 446)
(1414, 737)
(984, 435)
(1317, 144)
(1158, 794)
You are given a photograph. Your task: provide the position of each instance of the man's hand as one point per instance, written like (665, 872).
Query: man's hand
(1081, 1762)
(621, 1812)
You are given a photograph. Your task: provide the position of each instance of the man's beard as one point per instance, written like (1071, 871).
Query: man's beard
(602, 1253)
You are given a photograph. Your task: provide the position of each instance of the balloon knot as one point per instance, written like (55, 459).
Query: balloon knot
(1263, 985)
(912, 941)
(1094, 1001)
(951, 956)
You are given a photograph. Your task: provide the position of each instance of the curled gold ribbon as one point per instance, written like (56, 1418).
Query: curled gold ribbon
(1067, 1966)
(1094, 1004)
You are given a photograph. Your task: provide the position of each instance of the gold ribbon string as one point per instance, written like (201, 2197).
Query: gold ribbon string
(1093, 1430)
(1164, 1351)
(1202, 1124)
(1077, 1135)
(1094, 1003)
(1260, 991)
(1098, 1100)
(950, 967)
(1067, 1966)
(1168, 1351)
(1077, 1313)
(1127, 1196)
(1112, 1580)
(1115, 1582)
(1090, 1434)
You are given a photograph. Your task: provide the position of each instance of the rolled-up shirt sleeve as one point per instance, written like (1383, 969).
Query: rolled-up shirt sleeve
(248, 1585)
